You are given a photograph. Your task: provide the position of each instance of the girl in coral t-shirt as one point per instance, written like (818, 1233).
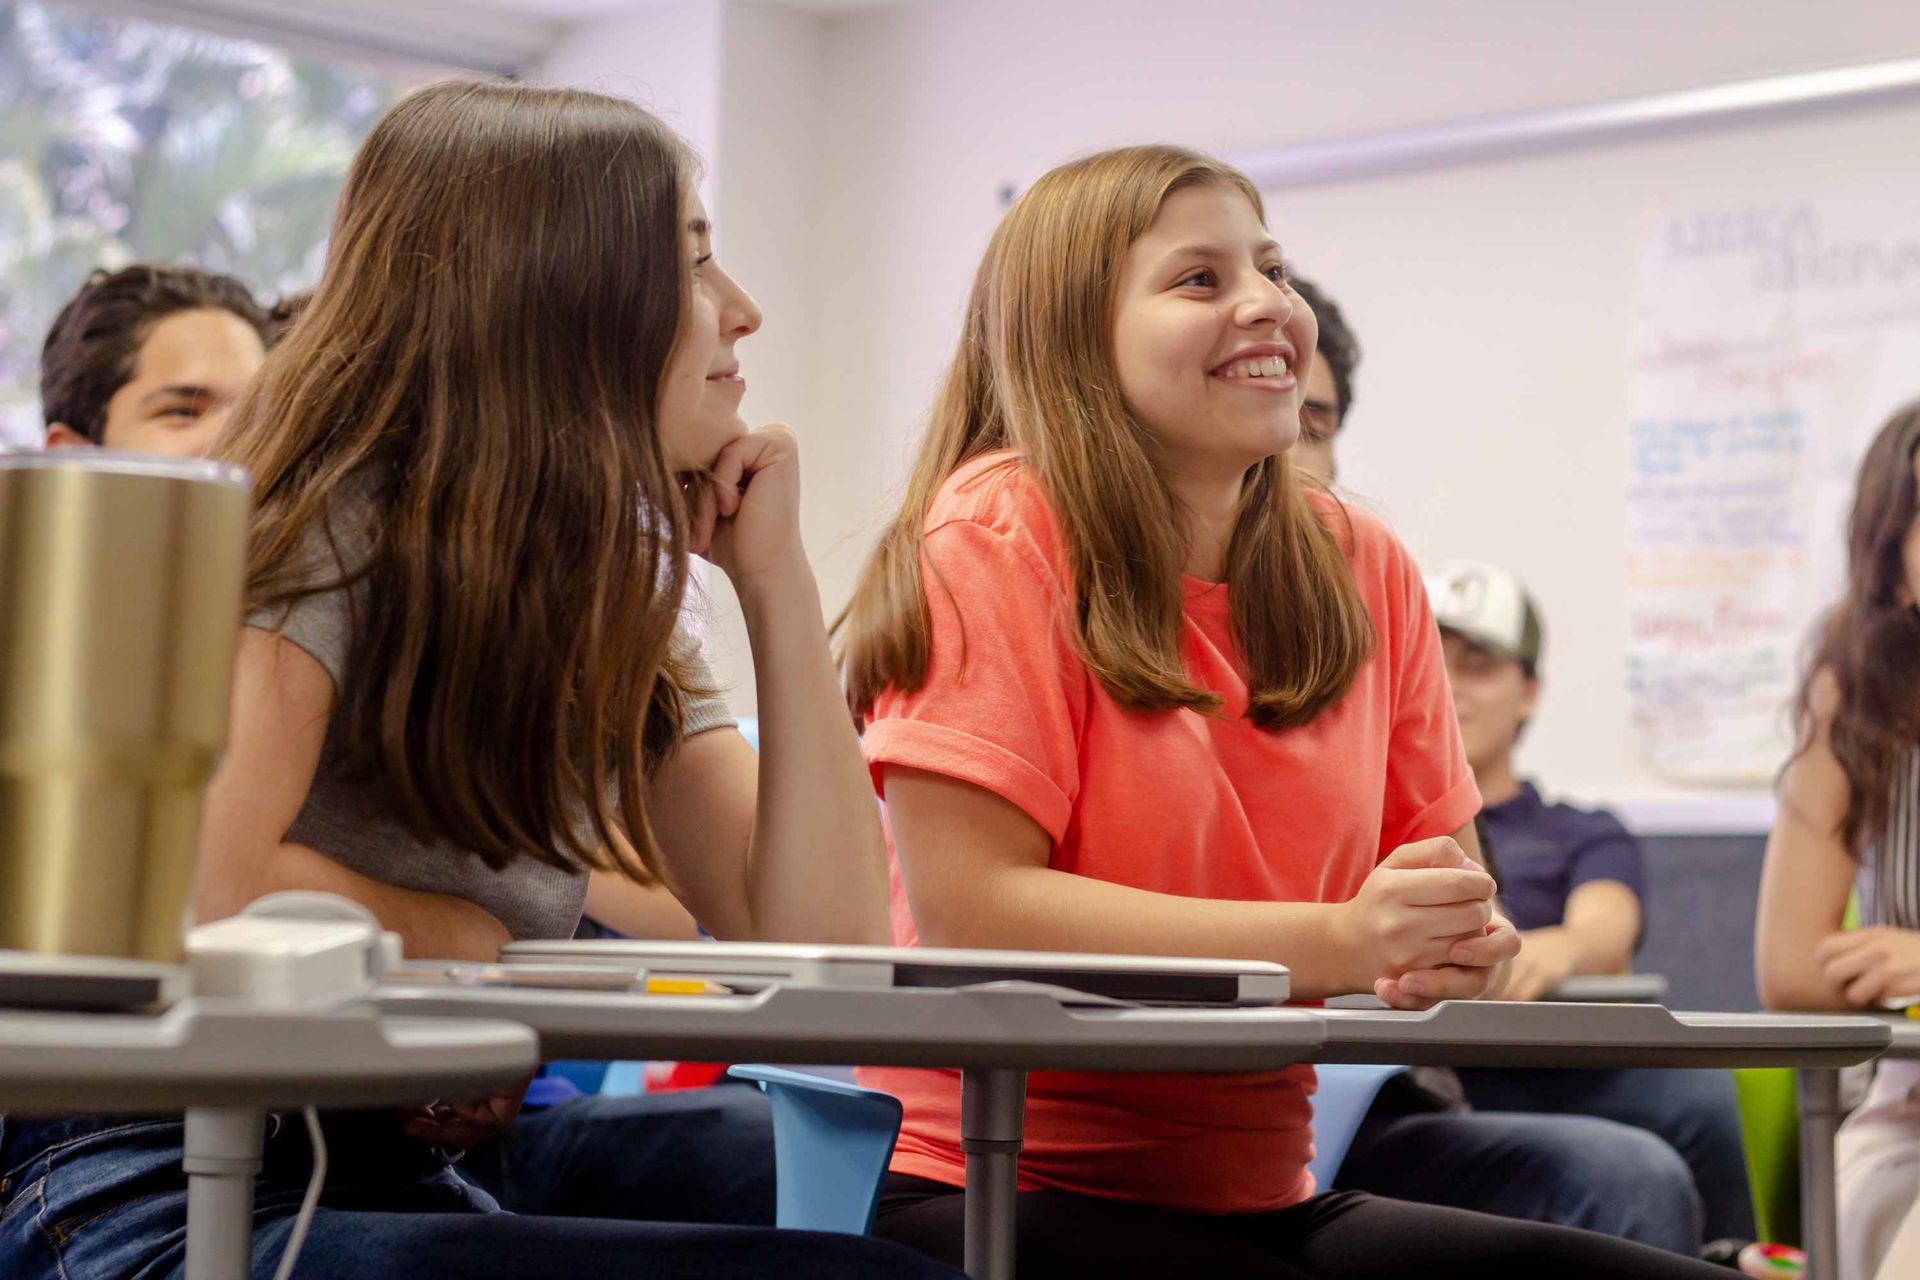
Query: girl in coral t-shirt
(1130, 687)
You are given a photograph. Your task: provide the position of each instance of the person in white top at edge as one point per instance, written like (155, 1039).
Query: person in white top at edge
(1849, 822)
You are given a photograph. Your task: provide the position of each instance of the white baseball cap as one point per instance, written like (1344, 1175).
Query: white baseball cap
(1489, 606)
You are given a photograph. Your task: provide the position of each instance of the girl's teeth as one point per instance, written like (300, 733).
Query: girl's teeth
(1264, 367)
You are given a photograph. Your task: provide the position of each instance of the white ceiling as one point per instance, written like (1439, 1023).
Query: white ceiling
(486, 35)
(569, 10)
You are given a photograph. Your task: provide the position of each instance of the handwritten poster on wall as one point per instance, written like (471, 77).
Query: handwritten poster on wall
(1771, 342)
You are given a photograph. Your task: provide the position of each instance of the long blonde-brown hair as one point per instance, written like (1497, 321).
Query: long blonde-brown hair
(478, 377)
(1035, 374)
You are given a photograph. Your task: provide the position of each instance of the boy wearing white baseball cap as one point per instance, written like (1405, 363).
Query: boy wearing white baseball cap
(1573, 882)
(1490, 607)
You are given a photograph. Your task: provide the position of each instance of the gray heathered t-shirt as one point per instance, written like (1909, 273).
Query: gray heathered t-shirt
(345, 820)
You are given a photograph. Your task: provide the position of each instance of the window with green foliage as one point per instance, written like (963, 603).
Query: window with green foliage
(124, 140)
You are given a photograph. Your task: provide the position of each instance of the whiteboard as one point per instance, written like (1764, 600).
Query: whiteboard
(1771, 340)
(1498, 305)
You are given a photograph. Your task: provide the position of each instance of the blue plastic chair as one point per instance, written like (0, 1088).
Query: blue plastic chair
(832, 1140)
(1346, 1093)
(831, 1143)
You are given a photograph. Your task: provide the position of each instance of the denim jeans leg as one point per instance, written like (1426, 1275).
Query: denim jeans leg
(687, 1155)
(1697, 1113)
(69, 1178)
(1572, 1170)
(101, 1200)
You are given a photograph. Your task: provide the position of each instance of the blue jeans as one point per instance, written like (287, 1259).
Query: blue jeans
(686, 1155)
(92, 1198)
(1576, 1171)
(1697, 1113)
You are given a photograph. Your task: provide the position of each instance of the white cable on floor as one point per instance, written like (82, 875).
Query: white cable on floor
(311, 1201)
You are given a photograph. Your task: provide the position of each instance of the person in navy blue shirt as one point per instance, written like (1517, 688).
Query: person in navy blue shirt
(1551, 853)
(1575, 885)
(1574, 882)
(1572, 879)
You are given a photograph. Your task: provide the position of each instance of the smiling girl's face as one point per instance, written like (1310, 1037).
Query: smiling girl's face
(700, 394)
(1210, 342)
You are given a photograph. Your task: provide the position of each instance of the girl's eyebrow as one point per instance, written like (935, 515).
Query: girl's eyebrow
(1215, 251)
(700, 227)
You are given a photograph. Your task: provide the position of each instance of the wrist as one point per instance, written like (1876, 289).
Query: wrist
(784, 584)
(1350, 970)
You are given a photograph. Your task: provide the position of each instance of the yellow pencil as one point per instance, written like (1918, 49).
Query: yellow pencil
(684, 987)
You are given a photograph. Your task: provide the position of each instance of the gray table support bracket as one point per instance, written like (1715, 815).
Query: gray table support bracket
(993, 1106)
(221, 1159)
(226, 1065)
(1819, 1121)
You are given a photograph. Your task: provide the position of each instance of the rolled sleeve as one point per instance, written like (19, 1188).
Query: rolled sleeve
(1003, 695)
(955, 753)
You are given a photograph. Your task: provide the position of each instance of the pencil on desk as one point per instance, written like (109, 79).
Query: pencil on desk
(684, 987)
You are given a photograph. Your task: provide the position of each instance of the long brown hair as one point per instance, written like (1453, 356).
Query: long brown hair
(1035, 373)
(1870, 641)
(480, 371)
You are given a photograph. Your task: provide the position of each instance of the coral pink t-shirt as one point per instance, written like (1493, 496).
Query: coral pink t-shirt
(1176, 802)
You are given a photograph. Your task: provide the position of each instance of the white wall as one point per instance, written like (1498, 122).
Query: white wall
(664, 55)
(741, 82)
(859, 160)
(767, 165)
(1493, 411)
(932, 107)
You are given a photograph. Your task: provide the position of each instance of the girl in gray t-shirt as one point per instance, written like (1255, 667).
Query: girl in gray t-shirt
(482, 458)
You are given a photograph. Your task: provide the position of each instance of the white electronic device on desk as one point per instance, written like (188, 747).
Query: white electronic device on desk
(269, 1013)
(292, 950)
(1147, 980)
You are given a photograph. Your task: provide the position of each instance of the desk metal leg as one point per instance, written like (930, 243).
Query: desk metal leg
(993, 1111)
(1819, 1210)
(222, 1157)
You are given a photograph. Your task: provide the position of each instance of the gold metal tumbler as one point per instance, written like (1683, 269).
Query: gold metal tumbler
(120, 596)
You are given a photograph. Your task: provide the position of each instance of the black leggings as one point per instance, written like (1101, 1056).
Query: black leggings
(1341, 1235)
